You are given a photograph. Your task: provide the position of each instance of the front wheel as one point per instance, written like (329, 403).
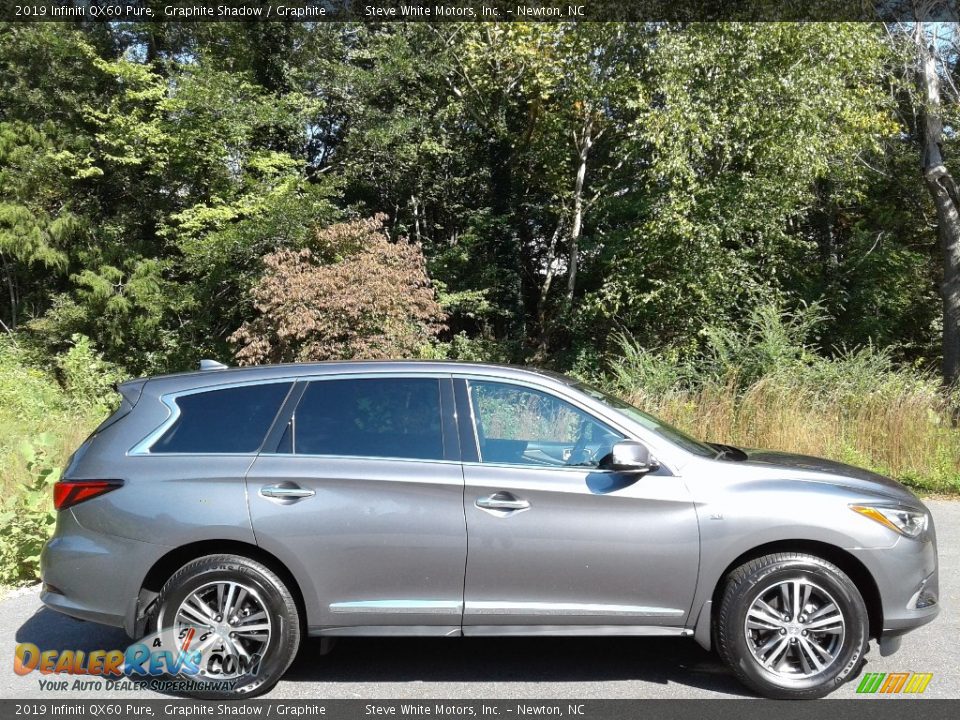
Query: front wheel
(234, 622)
(792, 626)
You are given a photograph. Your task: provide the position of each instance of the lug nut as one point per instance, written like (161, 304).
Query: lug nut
(783, 631)
(804, 633)
(218, 618)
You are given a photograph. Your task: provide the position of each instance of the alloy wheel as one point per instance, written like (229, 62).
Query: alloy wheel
(224, 618)
(795, 629)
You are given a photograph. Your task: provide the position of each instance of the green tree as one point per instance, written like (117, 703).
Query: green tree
(746, 132)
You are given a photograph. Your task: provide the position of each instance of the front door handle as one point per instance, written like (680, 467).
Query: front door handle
(502, 501)
(286, 491)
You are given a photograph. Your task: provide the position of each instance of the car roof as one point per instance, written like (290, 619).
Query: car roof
(250, 373)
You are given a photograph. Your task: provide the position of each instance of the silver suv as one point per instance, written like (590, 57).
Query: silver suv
(230, 512)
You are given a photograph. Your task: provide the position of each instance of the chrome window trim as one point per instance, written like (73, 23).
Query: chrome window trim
(144, 447)
(364, 458)
(584, 469)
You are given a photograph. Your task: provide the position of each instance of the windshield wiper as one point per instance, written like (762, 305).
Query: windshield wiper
(728, 451)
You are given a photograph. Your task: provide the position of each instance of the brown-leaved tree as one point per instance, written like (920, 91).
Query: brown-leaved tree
(354, 294)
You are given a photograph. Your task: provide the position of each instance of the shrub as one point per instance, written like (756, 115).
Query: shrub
(26, 393)
(355, 294)
(87, 378)
(41, 423)
(463, 348)
(27, 516)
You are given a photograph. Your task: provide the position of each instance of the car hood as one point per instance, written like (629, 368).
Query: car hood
(836, 473)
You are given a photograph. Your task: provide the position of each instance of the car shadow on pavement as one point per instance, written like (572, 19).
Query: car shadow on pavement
(516, 660)
(50, 630)
(546, 660)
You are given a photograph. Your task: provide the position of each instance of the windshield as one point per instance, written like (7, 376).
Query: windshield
(677, 437)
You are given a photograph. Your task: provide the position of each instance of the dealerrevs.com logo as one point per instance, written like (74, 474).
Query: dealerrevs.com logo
(211, 667)
(894, 683)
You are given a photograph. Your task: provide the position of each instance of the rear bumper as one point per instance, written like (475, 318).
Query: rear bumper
(93, 576)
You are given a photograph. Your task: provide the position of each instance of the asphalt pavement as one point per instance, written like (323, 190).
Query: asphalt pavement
(532, 668)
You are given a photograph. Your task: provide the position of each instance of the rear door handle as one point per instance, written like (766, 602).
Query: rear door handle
(503, 501)
(286, 491)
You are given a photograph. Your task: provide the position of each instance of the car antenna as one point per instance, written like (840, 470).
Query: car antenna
(212, 365)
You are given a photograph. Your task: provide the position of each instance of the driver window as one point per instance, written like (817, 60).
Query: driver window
(521, 426)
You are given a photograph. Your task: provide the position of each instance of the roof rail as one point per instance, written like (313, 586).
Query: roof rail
(212, 365)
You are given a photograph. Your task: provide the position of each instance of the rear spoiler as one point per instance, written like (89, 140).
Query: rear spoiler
(130, 390)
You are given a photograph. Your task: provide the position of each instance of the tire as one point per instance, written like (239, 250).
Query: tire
(780, 658)
(267, 625)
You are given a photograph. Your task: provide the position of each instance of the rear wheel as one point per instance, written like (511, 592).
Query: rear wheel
(792, 626)
(235, 620)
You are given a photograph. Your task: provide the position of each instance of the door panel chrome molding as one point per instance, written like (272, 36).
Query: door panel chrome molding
(386, 631)
(569, 609)
(575, 630)
(418, 607)
(453, 607)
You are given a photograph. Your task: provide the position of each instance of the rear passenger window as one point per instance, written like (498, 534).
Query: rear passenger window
(233, 420)
(371, 417)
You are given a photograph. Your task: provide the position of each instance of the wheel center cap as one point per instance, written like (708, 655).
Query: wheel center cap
(793, 629)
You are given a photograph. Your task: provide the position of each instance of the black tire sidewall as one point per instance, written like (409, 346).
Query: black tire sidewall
(285, 633)
(737, 603)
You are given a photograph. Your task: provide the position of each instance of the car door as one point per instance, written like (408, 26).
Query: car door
(363, 495)
(557, 545)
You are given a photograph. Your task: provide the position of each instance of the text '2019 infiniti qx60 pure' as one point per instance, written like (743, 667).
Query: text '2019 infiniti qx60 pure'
(230, 512)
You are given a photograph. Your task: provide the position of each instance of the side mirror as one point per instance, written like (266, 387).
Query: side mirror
(631, 457)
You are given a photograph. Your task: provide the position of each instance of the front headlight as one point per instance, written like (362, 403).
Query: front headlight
(906, 521)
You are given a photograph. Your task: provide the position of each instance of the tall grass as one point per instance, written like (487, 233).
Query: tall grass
(762, 385)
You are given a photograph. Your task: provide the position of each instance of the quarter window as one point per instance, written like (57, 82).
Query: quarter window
(232, 420)
(370, 417)
(520, 425)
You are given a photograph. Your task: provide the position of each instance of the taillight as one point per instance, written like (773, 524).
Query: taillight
(68, 493)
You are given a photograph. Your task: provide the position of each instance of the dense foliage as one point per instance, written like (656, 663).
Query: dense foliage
(727, 222)
(566, 183)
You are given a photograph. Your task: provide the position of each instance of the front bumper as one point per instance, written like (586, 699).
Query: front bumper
(93, 576)
(906, 575)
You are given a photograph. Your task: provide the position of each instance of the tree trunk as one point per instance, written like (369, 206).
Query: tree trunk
(415, 202)
(943, 189)
(11, 289)
(584, 143)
